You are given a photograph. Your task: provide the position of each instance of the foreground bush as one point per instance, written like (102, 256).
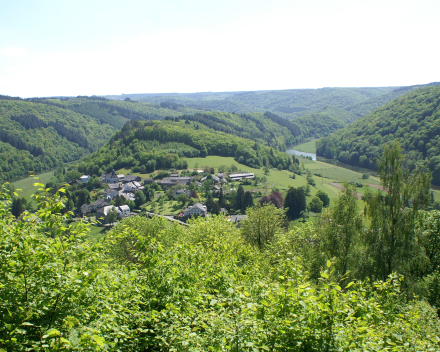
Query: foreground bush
(152, 286)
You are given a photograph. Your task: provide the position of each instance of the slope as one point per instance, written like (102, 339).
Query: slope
(413, 120)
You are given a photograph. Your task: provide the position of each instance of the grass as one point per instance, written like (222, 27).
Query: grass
(308, 147)
(27, 185)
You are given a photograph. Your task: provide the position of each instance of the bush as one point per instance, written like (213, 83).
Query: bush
(366, 176)
(315, 205)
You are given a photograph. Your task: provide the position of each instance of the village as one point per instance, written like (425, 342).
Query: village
(121, 194)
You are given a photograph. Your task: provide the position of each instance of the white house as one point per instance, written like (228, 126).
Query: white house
(195, 210)
(123, 211)
(84, 178)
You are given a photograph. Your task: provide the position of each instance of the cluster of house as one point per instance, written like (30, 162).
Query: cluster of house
(127, 186)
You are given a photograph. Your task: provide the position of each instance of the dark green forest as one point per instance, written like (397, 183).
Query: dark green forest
(413, 120)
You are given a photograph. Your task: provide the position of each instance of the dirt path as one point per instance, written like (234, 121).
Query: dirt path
(339, 186)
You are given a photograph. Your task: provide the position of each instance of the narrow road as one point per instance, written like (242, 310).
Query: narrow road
(170, 218)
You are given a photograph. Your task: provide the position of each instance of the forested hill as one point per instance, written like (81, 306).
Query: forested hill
(145, 146)
(320, 111)
(413, 120)
(38, 134)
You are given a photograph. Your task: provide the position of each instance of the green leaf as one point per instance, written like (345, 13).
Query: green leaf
(99, 340)
(349, 285)
(329, 263)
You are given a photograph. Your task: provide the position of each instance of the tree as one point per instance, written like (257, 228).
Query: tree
(325, 199)
(239, 198)
(316, 205)
(139, 198)
(17, 207)
(391, 241)
(221, 198)
(182, 198)
(112, 216)
(295, 200)
(262, 223)
(248, 201)
(118, 200)
(340, 231)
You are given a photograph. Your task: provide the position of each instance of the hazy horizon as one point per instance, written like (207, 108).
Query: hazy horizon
(51, 48)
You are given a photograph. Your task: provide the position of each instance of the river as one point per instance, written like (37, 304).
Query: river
(296, 152)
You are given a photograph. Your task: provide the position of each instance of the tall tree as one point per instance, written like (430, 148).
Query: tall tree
(248, 201)
(391, 241)
(296, 202)
(239, 199)
(341, 228)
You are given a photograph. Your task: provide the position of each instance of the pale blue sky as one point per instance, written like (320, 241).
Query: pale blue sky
(132, 46)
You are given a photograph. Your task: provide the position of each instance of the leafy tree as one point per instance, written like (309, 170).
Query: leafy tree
(182, 198)
(391, 241)
(262, 223)
(316, 205)
(340, 232)
(118, 201)
(112, 216)
(325, 199)
(139, 198)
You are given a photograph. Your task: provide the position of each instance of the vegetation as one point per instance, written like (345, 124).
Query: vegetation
(412, 119)
(150, 285)
(148, 146)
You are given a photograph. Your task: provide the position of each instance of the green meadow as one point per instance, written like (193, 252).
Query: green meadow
(307, 147)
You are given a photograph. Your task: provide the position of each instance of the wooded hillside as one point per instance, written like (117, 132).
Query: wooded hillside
(413, 120)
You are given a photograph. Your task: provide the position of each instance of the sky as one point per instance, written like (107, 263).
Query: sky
(69, 48)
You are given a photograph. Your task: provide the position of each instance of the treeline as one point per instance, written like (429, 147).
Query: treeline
(413, 120)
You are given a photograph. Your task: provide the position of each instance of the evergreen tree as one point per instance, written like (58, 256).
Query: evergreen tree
(239, 198)
(295, 200)
(248, 201)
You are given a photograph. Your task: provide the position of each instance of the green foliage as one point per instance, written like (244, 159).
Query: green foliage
(392, 243)
(315, 205)
(323, 196)
(262, 224)
(412, 119)
(163, 145)
(295, 201)
(150, 284)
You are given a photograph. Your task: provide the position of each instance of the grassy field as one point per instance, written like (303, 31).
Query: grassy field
(27, 184)
(308, 147)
